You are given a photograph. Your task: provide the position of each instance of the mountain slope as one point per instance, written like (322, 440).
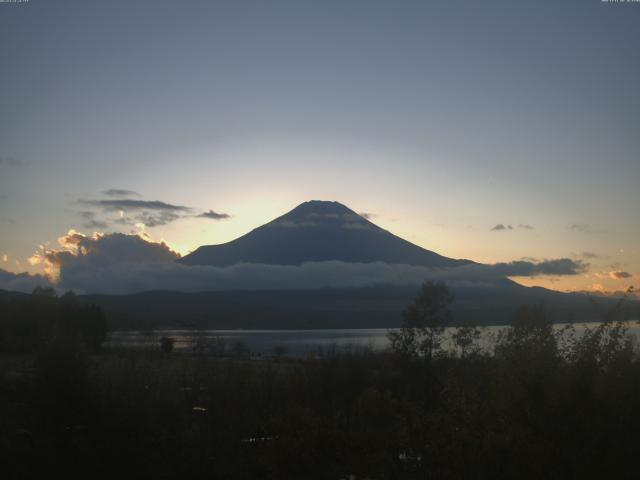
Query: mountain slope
(318, 231)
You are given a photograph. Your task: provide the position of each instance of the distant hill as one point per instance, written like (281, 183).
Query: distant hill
(373, 307)
(318, 231)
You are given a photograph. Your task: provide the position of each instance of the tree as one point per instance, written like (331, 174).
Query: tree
(423, 323)
(529, 345)
(602, 346)
(47, 292)
(240, 349)
(280, 351)
(465, 338)
(166, 344)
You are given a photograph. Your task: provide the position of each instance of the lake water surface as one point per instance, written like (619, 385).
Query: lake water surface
(289, 342)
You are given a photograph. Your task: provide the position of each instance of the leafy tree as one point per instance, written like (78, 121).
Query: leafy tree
(29, 323)
(465, 338)
(530, 337)
(601, 347)
(424, 322)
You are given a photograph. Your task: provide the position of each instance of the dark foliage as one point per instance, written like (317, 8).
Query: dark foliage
(30, 323)
(424, 322)
(166, 344)
(544, 405)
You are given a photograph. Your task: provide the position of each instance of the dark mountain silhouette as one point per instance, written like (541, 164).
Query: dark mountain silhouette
(318, 231)
(371, 307)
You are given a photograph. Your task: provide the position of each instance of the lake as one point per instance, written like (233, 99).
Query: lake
(290, 342)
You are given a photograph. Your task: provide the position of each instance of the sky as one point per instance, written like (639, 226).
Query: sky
(495, 131)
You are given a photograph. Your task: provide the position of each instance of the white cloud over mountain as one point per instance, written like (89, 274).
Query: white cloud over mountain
(118, 264)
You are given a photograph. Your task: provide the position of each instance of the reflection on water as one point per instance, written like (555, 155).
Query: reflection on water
(286, 342)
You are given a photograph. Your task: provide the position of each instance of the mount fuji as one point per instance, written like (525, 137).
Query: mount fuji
(318, 231)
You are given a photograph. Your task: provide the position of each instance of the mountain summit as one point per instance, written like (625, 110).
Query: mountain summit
(317, 231)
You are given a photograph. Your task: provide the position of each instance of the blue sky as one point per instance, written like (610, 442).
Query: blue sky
(443, 119)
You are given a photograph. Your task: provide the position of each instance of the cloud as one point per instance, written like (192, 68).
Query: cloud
(89, 221)
(214, 215)
(582, 228)
(599, 290)
(22, 282)
(96, 224)
(500, 227)
(151, 219)
(524, 268)
(98, 252)
(11, 162)
(118, 264)
(367, 215)
(590, 255)
(117, 192)
(134, 277)
(244, 276)
(130, 204)
(618, 275)
(151, 213)
(525, 226)
(108, 249)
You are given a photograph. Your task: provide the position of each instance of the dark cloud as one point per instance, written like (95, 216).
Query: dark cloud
(525, 226)
(129, 204)
(90, 221)
(590, 255)
(214, 215)
(95, 254)
(22, 282)
(523, 268)
(151, 219)
(500, 227)
(618, 275)
(96, 224)
(117, 192)
(152, 213)
(632, 294)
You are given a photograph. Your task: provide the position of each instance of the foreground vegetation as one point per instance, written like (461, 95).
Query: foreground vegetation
(540, 405)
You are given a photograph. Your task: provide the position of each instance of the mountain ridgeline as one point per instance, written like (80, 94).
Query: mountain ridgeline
(318, 231)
